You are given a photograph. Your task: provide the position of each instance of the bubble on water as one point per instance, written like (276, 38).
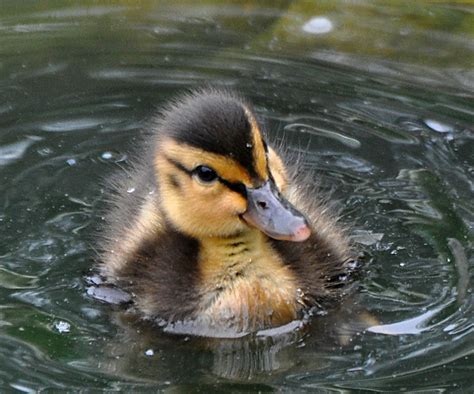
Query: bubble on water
(62, 327)
(318, 25)
(149, 352)
(45, 151)
(438, 126)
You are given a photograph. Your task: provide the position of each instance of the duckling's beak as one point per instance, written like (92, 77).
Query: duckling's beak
(274, 215)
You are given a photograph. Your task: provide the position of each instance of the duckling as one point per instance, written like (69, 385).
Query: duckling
(211, 235)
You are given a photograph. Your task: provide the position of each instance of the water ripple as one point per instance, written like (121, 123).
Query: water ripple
(12, 152)
(386, 125)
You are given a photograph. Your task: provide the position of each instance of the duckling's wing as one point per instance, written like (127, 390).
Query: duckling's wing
(133, 217)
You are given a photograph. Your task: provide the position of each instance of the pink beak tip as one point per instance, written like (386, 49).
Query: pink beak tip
(301, 234)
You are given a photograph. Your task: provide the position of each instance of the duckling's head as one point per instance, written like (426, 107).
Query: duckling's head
(217, 176)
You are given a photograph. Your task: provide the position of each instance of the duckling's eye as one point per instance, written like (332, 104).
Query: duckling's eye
(205, 174)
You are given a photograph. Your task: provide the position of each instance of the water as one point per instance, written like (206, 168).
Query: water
(380, 99)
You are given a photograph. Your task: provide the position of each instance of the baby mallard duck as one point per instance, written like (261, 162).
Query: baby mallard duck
(209, 234)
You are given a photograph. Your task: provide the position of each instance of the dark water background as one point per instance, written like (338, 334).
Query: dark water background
(378, 94)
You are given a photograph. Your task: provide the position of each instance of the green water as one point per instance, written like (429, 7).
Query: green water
(378, 95)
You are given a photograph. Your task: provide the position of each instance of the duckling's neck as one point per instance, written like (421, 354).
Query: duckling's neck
(225, 259)
(244, 282)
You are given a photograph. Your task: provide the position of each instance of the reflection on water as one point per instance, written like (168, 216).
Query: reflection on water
(378, 98)
(262, 357)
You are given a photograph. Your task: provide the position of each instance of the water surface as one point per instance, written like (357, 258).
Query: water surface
(378, 98)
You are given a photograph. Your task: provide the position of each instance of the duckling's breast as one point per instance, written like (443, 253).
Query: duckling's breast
(244, 284)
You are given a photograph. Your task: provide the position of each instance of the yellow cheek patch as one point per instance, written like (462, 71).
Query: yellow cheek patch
(258, 150)
(196, 209)
(213, 200)
(278, 170)
(191, 157)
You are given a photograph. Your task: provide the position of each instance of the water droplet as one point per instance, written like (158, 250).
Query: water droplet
(438, 126)
(71, 162)
(107, 155)
(130, 190)
(45, 151)
(248, 145)
(149, 352)
(62, 327)
(318, 25)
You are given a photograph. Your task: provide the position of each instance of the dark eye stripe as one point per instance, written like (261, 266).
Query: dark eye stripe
(237, 187)
(178, 165)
